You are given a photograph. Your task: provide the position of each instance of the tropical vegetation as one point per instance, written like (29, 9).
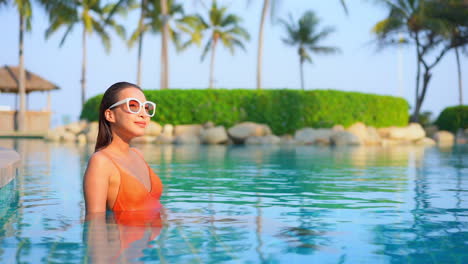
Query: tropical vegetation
(271, 6)
(24, 9)
(434, 27)
(285, 111)
(220, 27)
(307, 37)
(453, 118)
(91, 15)
(152, 21)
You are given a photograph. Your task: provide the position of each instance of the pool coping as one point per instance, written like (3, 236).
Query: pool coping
(9, 165)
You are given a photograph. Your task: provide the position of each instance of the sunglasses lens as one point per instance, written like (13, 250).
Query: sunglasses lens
(149, 108)
(133, 106)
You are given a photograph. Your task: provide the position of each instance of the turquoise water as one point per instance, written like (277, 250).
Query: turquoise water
(236, 204)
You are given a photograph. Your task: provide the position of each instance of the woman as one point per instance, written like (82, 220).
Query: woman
(117, 177)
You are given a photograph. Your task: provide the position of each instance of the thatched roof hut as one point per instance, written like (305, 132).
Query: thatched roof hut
(9, 81)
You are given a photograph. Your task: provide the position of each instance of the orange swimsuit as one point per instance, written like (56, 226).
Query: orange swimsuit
(137, 210)
(133, 195)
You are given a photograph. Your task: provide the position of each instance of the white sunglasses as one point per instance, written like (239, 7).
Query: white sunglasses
(134, 106)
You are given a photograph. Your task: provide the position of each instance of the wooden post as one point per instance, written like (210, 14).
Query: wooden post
(48, 101)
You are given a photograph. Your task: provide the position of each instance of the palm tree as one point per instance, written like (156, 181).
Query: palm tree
(91, 14)
(221, 26)
(151, 21)
(164, 40)
(416, 20)
(25, 13)
(270, 5)
(306, 36)
(454, 14)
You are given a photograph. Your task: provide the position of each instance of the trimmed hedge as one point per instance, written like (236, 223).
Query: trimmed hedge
(284, 111)
(453, 118)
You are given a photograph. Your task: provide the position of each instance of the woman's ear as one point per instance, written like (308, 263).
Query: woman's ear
(109, 115)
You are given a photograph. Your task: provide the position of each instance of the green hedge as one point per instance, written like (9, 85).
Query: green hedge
(284, 111)
(453, 118)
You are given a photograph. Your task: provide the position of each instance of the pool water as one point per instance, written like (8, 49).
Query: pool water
(238, 204)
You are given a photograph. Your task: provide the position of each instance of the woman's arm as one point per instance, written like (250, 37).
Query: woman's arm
(96, 183)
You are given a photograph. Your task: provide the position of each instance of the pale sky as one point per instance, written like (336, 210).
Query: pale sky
(360, 67)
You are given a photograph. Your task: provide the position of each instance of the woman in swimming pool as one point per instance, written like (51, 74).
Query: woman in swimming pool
(117, 177)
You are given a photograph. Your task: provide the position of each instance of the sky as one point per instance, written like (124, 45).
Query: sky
(360, 66)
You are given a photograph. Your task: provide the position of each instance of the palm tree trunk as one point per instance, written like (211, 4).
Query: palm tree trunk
(164, 54)
(302, 73)
(83, 69)
(266, 4)
(140, 41)
(460, 86)
(415, 118)
(420, 98)
(213, 50)
(21, 117)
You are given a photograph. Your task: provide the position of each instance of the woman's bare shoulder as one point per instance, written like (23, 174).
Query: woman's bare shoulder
(100, 160)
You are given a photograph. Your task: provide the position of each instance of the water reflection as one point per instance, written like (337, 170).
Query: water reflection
(121, 236)
(257, 204)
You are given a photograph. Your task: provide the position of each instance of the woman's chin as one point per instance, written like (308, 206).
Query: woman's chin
(139, 133)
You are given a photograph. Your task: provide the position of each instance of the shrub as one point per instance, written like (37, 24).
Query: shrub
(284, 111)
(453, 118)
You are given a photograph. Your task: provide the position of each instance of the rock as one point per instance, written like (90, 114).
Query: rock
(373, 137)
(215, 135)
(271, 139)
(168, 130)
(425, 142)
(310, 135)
(144, 139)
(266, 130)
(52, 135)
(415, 132)
(68, 137)
(265, 140)
(412, 132)
(208, 124)
(431, 130)
(322, 141)
(384, 132)
(188, 129)
(396, 133)
(76, 127)
(55, 134)
(359, 130)
(344, 138)
(240, 132)
(338, 128)
(81, 139)
(444, 138)
(153, 129)
(391, 142)
(287, 140)
(187, 139)
(164, 139)
(91, 132)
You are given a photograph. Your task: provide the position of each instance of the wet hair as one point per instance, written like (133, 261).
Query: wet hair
(110, 97)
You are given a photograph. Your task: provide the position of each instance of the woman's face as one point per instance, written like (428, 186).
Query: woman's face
(133, 125)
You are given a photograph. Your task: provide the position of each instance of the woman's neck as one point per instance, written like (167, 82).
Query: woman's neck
(119, 145)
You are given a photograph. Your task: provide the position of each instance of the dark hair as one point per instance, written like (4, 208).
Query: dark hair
(109, 98)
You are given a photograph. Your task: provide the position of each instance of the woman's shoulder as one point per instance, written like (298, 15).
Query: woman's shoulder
(101, 160)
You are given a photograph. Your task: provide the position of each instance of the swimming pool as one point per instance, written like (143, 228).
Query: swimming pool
(237, 204)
